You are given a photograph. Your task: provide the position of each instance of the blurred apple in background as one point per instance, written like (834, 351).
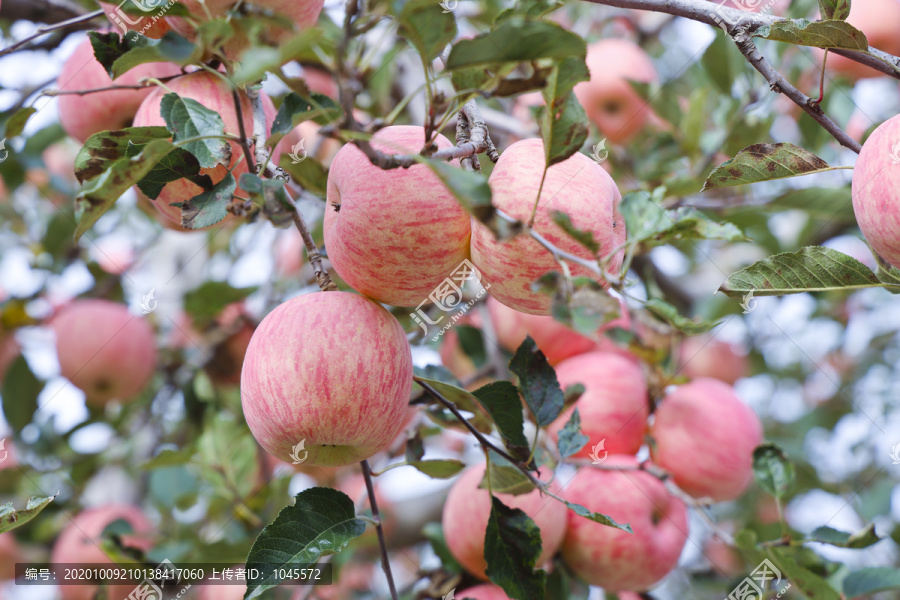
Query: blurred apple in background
(705, 356)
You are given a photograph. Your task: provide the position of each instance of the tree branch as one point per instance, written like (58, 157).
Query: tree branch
(40, 11)
(75, 22)
(385, 562)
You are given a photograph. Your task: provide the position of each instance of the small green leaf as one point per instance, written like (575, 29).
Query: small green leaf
(501, 400)
(206, 302)
(811, 269)
(426, 25)
(809, 584)
(503, 477)
(563, 128)
(863, 538)
(119, 55)
(516, 40)
(585, 238)
(571, 440)
(463, 400)
(820, 34)
(103, 149)
(16, 123)
(189, 119)
(537, 382)
(210, 207)
(439, 468)
(765, 162)
(309, 173)
(471, 189)
(835, 9)
(435, 536)
(870, 581)
(295, 109)
(99, 194)
(512, 545)
(596, 517)
(178, 164)
(648, 223)
(772, 469)
(10, 517)
(20, 394)
(169, 458)
(668, 313)
(322, 521)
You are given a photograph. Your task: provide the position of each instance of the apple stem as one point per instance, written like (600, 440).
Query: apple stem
(822, 79)
(385, 562)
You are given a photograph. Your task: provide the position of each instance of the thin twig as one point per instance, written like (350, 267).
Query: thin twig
(44, 29)
(385, 562)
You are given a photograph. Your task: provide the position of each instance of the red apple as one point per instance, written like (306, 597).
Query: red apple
(876, 190)
(332, 370)
(9, 554)
(398, 234)
(213, 92)
(609, 557)
(880, 21)
(468, 509)
(485, 591)
(83, 116)
(703, 356)
(151, 24)
(452, 355)
(578, 187)
(104, 350)
(614, 407)
(80, 541)
(704, 437)
(608, 98)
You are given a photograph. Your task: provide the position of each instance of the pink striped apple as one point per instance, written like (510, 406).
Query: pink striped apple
(578, 187)
(614, 407)
(393, 235)
(80, 543)
(876, 194)
(608, 98)
(332, 370)
(485, 591)
(107, 352)
(468, 509)
(9, 554)
(213, 92)
(704, 437)
(609, 557)
(703, 356)
(84, 115)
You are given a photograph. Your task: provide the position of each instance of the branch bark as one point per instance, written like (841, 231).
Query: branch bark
(79, 21)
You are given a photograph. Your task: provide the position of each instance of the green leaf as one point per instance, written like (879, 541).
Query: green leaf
(773, 471)
(295, 109)
(809, 583)
(178, 164)
(435, 536)
(585, 238)
(501, 400)
(668, 313)
(562, 584)
(537, 382)
(439, 468)
(415, 448)
(765, 162)
(811, 269)
(835, 9)
(871, 580)
(16, 123)
(821, 34)
(512, 545)
(596, 517)
(861, 539)
(206, 302)
(99, 194)
(10, 517)
(472, 343)
(516, 40)
(322, 521)
(426, 25)
(20, 394)
(503, 477)
(571, 440)
(564, 128)
(463, 400)
(717, 63)
(309, 173)
(271, 195)
(169, 458)
(188, 119)
(649, 224)
(210, 207)
(471, 189)
(103, 149)
(823, 204)
(119, 55)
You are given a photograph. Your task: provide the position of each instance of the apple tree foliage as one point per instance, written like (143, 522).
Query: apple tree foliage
(681, 193)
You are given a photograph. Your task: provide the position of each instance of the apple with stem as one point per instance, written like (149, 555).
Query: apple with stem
(578, 187)
(331, 371)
